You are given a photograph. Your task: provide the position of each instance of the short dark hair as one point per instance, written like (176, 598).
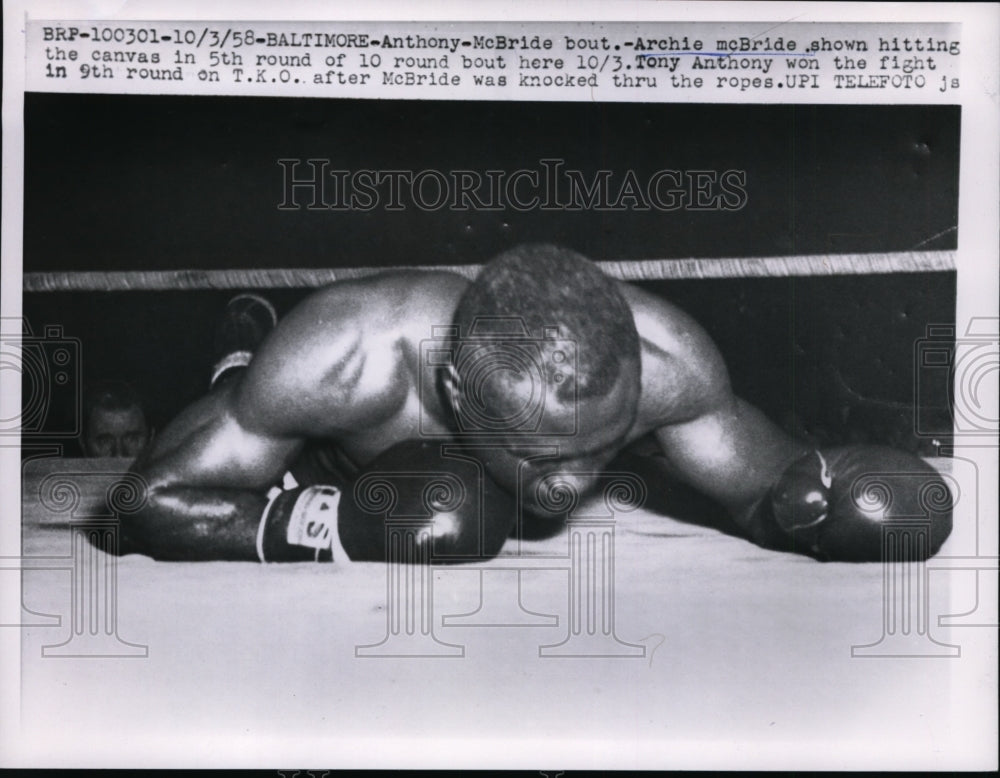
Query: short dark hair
(550, 286)
(109, 395)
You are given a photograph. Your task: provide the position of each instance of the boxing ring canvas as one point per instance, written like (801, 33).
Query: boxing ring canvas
(646, 632)
(693, 636)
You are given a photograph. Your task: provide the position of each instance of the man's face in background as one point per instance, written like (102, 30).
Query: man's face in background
(114, 432)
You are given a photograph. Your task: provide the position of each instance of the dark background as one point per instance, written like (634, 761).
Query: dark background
(154, 183)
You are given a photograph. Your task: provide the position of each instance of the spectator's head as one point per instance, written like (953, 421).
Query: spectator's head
(114, 422)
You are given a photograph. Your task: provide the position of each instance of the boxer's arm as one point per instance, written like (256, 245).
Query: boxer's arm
(206, 478)
(209, 471)
(710, 438)
(730, 452)
(780, 492)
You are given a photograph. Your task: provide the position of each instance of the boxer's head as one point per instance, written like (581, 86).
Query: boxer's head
(114, 421)
(552, 353)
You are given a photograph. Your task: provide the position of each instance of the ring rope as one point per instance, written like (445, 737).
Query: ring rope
(625, 270)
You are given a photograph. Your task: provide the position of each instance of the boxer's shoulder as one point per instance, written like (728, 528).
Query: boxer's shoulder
(378, 301)
(341, 360)
(662, 323)
(683, 374)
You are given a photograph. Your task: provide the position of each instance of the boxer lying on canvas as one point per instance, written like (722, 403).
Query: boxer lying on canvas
(551, 366)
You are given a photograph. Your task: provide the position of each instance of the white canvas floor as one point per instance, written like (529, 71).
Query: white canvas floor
(740, 657)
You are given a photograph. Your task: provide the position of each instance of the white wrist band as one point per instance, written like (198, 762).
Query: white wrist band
(233, 359)
(272, 495)
(312, 522)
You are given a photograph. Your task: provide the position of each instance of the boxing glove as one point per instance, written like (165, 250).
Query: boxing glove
(445, 502)
(838, 504)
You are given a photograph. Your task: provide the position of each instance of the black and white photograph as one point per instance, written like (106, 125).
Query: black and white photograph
(506, 432)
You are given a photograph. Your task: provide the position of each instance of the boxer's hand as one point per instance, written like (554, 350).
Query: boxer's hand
(467, 515)
(833, 504)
